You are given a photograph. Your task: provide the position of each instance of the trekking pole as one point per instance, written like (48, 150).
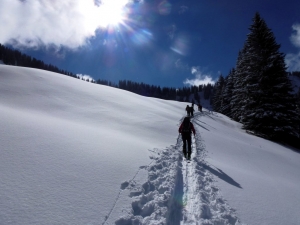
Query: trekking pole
(178, 138)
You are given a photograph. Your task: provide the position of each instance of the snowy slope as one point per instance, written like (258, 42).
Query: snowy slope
(67, 145)
(74, 152)
(259, 178)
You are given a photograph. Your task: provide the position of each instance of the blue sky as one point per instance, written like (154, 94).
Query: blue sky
(167, 43)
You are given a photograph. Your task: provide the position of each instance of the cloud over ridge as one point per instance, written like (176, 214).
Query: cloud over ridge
(85, 77)
(200, 78)
(293, 60)
(295, 38)
(47, 22)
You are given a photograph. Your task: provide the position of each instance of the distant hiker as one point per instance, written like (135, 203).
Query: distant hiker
(192, 110)
(186, 128)
(188, 111)
(199, 107)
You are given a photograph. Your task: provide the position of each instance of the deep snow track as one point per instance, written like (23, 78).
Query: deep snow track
(203, 203)
(178, 192)
(190, 192)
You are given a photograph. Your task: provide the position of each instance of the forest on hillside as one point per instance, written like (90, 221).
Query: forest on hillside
(258, 92)
(185, 94)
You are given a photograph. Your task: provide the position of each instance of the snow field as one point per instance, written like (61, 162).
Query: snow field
(67, 145)
(77, 153)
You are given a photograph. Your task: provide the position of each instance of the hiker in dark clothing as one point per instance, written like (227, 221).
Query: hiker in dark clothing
(192, 110)
(200, 107)
(186, 128)
(188, 110)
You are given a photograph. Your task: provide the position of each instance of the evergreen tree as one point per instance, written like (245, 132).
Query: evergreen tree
(200, 87)
(217, 94)
(298, 98)
(227, 94)
(196, 96)
(269, 106)
(238, 100)
(207, 89)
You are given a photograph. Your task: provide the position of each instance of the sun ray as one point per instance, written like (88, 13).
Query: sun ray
(112, 12)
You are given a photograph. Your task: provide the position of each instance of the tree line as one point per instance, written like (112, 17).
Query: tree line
(258, 92)
(16, 58)
(188, 94)
(184, 94)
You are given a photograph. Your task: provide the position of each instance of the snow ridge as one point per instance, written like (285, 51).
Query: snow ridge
(150, 200)
(178, 192)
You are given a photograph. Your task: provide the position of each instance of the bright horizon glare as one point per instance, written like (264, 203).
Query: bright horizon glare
(112, 12)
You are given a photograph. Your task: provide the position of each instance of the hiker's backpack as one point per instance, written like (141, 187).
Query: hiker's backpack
(186, 128)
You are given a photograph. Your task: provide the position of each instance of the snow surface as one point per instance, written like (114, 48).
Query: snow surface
(74, 152)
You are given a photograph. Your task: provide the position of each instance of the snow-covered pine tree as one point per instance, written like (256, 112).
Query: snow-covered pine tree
(227, 94)
(298, 98)
(238, 100)
(207, 90)
(270, 105)
(217, 94)
(196, 95)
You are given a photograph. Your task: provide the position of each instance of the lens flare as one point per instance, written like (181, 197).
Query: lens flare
(141, 37)
(164, 8)
(112, 12)
(181, 45)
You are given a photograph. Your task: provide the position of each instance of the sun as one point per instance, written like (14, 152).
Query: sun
(112, 12)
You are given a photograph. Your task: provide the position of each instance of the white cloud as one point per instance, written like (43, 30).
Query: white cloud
(85, 77)
(183, 9)
(293, 60)
(295, 38)
(179, 64)
(33, 23)
(194, 70)
(171, 31)
(200, 78)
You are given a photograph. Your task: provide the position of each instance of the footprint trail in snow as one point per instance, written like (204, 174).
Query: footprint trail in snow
(178, 192)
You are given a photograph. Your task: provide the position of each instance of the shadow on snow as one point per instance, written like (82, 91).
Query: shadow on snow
(219, 173)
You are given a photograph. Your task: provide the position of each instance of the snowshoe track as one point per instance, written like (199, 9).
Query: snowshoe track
(151, 200)
(178, 192)
(204, 204)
